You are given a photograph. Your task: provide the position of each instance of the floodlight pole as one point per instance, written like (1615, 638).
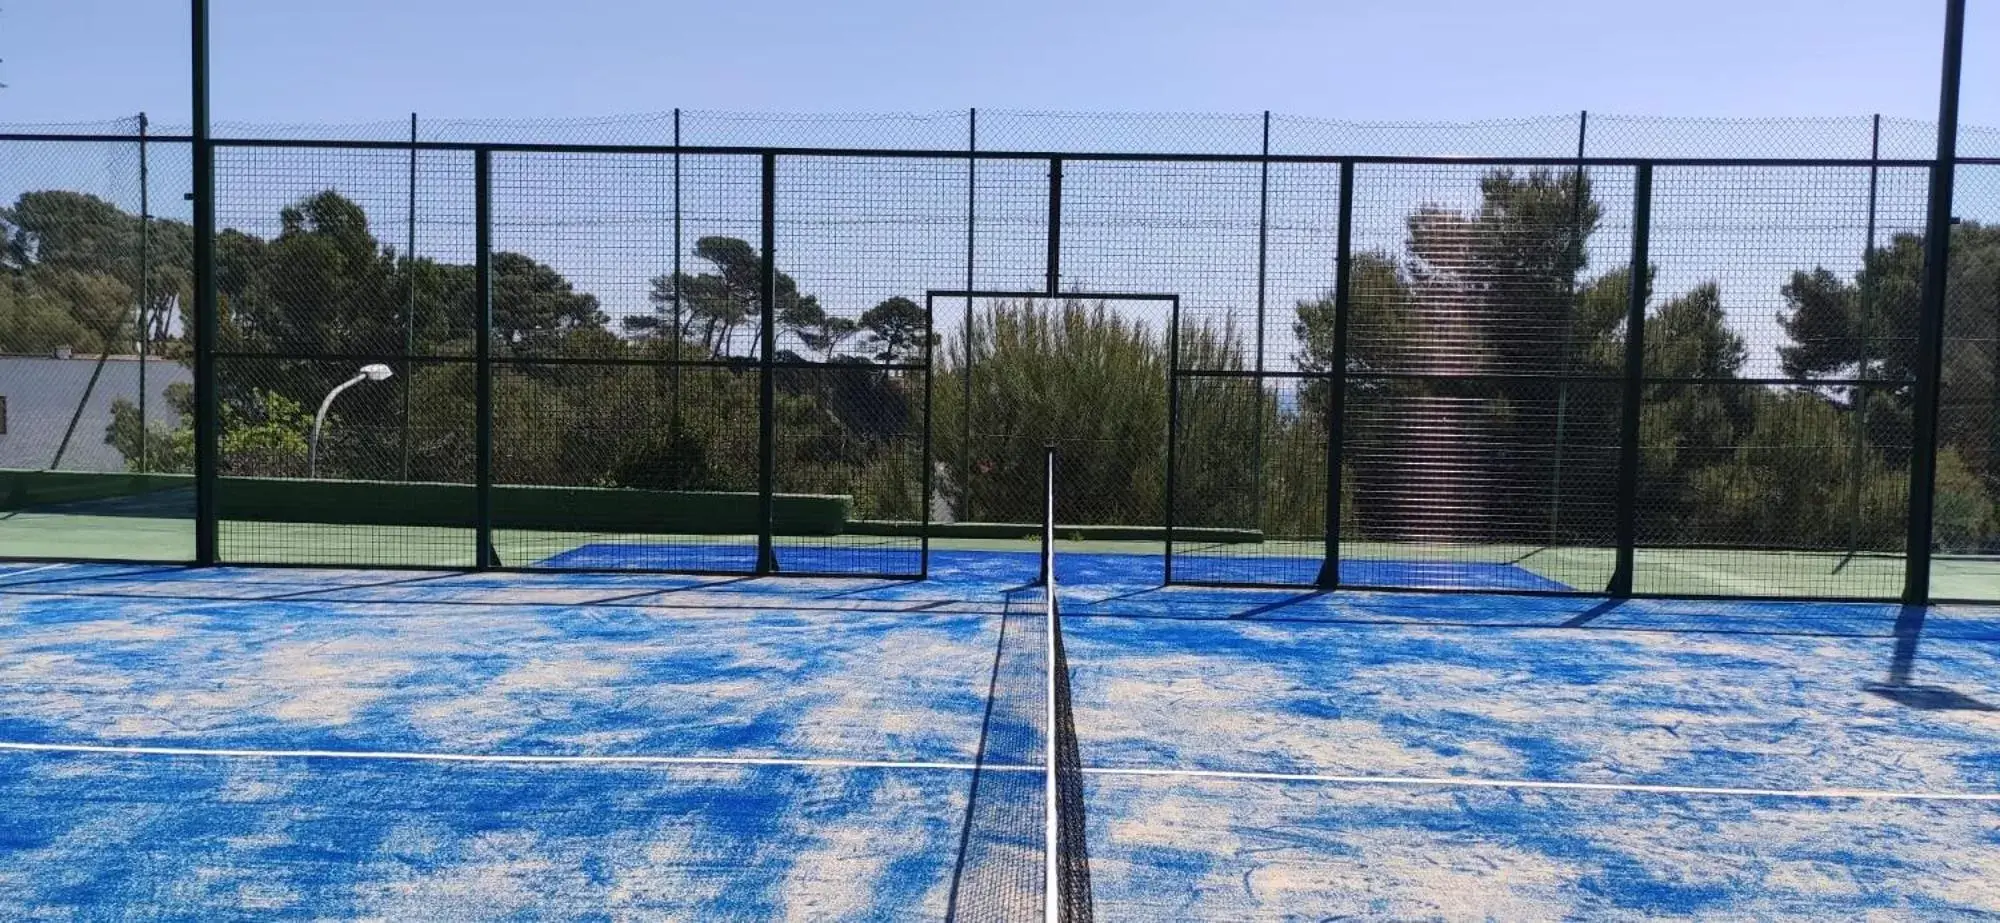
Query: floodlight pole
(1930, 316)
(207, 407)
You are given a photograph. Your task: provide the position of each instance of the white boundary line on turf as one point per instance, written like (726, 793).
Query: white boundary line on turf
(4, 575)
(556, 759)
(1850, 794)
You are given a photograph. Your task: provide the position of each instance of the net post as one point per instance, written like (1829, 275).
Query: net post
(1930, 317)
(767, 385)
(1047, 575)
(1620, 584)
(208, 406)
(1336, 378)
(482, 345)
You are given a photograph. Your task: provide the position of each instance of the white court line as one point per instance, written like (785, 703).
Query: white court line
(1851, 794)
(558, 759)
(4, 575)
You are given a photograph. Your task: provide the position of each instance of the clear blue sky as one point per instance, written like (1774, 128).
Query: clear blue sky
(365, 60)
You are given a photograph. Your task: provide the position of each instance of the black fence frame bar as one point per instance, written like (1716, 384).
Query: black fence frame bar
(482, 372)
(1336, 380)
(207, 403)
(1640, 288)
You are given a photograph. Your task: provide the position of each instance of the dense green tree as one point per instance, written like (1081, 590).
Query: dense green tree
(535, 309)
(895, 330)
(712, 306)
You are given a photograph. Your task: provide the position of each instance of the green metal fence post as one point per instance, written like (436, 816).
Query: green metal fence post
(208, 406)
(409, 300)
(1634, 381)
(482, 297)
(1930, 316)
(1569, 327)
(971, 255)
(1263, 267)
(1173, 430)
(674, 344)
(767, 385)
(1336, 378)
(1858, 445)
(145, 284)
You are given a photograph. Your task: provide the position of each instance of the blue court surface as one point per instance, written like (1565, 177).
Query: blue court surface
(244, 743)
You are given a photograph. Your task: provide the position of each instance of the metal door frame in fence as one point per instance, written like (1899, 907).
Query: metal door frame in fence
(965, 474)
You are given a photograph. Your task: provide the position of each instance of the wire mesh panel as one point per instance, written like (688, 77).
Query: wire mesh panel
(345, 280)
(1448, 484)
(1966, 532)
(859, 241)
(1233, 528)
(1010, 226)
(1479, 439)
(624, 388)
(89, 396)
(1272, 426)
(1780, 340)
(853, 434)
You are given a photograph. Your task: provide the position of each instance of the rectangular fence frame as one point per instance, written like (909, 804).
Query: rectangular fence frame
(205, 332)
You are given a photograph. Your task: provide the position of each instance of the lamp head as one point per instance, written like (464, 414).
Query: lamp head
(376, 371)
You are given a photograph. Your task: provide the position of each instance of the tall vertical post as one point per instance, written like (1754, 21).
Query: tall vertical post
(145, 285)
(1054, 257)
(1263, 266)
(1336, 377)
(674, 343)
(207, 404)
(1569, 327)
(1857, 450)
(409, 298)
(1634, 381)
(929, 480)
(1173, 430)
(971, 254)
(767, 385)
(1930, 315)
(482, 357)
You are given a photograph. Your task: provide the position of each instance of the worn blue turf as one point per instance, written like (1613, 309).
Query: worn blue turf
(1071, 567)
(1518, 691)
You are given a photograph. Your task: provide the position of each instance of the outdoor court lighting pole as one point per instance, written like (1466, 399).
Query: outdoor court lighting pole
(375, 371)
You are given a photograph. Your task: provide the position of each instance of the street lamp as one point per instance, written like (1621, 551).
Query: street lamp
(374, 371)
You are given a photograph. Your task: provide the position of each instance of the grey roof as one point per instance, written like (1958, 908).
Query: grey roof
(42, 394)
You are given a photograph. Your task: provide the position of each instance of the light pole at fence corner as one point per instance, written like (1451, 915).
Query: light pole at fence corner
(374, 371)
(1930, 317)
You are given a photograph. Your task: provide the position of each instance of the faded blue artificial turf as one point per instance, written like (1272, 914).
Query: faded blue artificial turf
(1434, 686)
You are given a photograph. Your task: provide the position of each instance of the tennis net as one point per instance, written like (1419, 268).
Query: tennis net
(1067, 870)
